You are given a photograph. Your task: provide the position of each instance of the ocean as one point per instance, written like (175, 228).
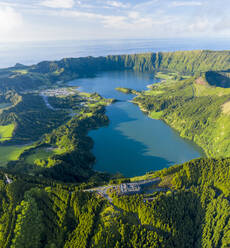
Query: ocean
(29, 53)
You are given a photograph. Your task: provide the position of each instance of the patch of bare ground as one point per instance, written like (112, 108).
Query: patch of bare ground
(226, 108)
(201, 81)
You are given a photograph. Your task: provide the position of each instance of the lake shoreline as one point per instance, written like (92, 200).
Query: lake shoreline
(123, 137)
(167, 123)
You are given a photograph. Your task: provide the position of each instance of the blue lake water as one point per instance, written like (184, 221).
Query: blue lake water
(133, 143)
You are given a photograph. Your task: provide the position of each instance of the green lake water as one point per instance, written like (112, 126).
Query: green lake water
(133, 143)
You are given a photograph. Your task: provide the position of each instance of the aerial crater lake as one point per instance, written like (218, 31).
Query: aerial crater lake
(133, 143)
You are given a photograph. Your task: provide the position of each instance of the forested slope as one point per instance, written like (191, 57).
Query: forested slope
(185, 61)
(194, 212)
(47, 72)
(198, 111)
(191, 209)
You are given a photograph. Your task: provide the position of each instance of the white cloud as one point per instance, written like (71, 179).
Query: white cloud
(147, 5)
(114, 22)
(200, 25)
(59, 4)
(75, 13)
(186, 3)
(85, 5)
(135, 22)
(134, 14)
(112, 18)
(223, 24)
(9, 19)
(117, 4)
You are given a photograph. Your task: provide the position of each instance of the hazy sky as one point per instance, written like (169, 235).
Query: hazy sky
(102, 19)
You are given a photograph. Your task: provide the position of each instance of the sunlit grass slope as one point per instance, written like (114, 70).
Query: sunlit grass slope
(6, 132)
(11, 153)
(199, 112)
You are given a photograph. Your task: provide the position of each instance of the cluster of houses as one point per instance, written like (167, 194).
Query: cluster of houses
(136, 187)
(58, 92)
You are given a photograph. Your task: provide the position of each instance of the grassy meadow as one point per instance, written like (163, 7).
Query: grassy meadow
(6, 132)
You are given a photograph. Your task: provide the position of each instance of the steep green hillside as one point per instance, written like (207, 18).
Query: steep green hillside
(60, 146)
(48, 72)
(44, 132)
(193, 213)
(197, 110)
(186, 62)
(188, 208)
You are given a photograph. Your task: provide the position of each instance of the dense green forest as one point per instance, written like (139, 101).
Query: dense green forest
(46, 136)
(43, 203)
(62, 148)
(194, 212)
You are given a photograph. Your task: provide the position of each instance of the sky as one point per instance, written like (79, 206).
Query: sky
(37, 20)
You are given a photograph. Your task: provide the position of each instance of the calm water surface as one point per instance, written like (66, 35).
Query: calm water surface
(133, 143)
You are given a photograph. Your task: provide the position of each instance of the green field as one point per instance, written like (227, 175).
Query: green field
(6, 132)
(11, 153)
(23, 72)
(43, 154)
(207, 90)
(154, 93)
(84, 94)
(165, 76)
(156, 115)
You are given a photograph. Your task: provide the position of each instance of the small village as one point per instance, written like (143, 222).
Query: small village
(59, 92)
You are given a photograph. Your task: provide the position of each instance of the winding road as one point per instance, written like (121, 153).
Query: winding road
(45, 98)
